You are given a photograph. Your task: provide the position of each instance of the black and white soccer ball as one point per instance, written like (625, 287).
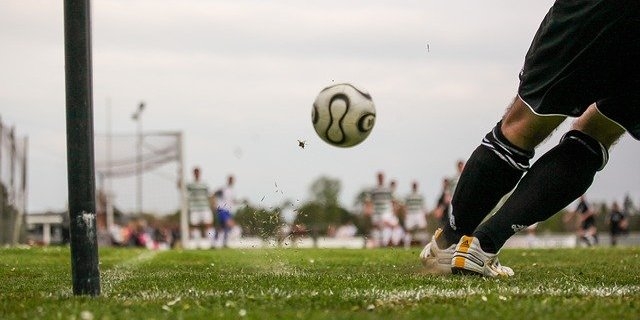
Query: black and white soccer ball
(343, 115)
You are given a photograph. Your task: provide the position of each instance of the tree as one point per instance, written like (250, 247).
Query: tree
(258, 221)
(326, 190)
(324, 209)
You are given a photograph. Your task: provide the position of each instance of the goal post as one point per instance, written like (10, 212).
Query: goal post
(80, 166)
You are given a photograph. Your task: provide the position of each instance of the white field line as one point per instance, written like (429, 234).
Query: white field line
(502, 293)
(394, 296)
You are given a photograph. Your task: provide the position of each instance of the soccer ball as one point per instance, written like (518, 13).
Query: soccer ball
(343, 115)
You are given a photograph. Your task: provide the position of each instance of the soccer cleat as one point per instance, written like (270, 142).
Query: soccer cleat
(470, 258)
(436, 260)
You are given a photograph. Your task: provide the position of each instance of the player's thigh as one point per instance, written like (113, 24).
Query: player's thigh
(599, 127)
(194, 218)
(207, 217)
(522, 127)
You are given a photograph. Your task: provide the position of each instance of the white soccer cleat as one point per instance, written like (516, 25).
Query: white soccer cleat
(470, 258)
(434, 259)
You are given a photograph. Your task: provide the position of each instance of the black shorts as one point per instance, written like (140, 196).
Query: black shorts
(585, 52)
(588, 224)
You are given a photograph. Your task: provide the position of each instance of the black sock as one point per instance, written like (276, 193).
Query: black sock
(486, 178)
(553, 182)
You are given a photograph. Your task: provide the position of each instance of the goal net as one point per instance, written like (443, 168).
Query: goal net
(139, 174)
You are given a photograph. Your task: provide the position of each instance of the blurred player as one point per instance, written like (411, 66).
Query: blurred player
(379, 204)
(226, 204)
(449, 187)
(582, 62)
(395, 228)
(453, 181)
(617, 222)
(200, 215)
(415, 220)
(587, 230)
(442, 211)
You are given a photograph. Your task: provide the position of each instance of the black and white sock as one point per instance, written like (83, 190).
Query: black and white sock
(493, 169)
(553, 182)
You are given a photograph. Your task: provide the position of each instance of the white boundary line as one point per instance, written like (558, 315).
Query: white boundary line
(391, 296)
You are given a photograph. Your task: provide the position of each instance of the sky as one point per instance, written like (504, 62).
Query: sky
(238, 79)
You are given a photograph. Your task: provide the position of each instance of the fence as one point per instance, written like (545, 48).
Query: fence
(13, 185)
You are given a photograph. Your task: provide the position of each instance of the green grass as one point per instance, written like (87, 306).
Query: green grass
(601, 283)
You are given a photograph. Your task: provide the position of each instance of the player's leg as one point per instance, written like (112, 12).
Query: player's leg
(581, 235)
(493, 170)
(593, 234)
(194, 224)
(587, 237)
(411, 228)
(421, 233)
(555, 180)
(204, 226)
(495, 167)
(225, 224)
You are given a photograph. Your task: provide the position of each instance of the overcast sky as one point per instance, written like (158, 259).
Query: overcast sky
(238, 79)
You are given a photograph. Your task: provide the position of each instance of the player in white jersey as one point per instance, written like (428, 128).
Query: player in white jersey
(377, 205)
(200, 215)
(415, 222)
(383, 218)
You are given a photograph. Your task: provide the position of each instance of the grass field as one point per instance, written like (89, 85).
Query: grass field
(600, 283)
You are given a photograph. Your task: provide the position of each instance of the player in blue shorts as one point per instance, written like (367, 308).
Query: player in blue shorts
(226, 207)
(583, 62)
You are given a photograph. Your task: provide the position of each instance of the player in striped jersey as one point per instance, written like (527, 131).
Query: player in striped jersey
(379, 204)
(415, 221)
(200, 215)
